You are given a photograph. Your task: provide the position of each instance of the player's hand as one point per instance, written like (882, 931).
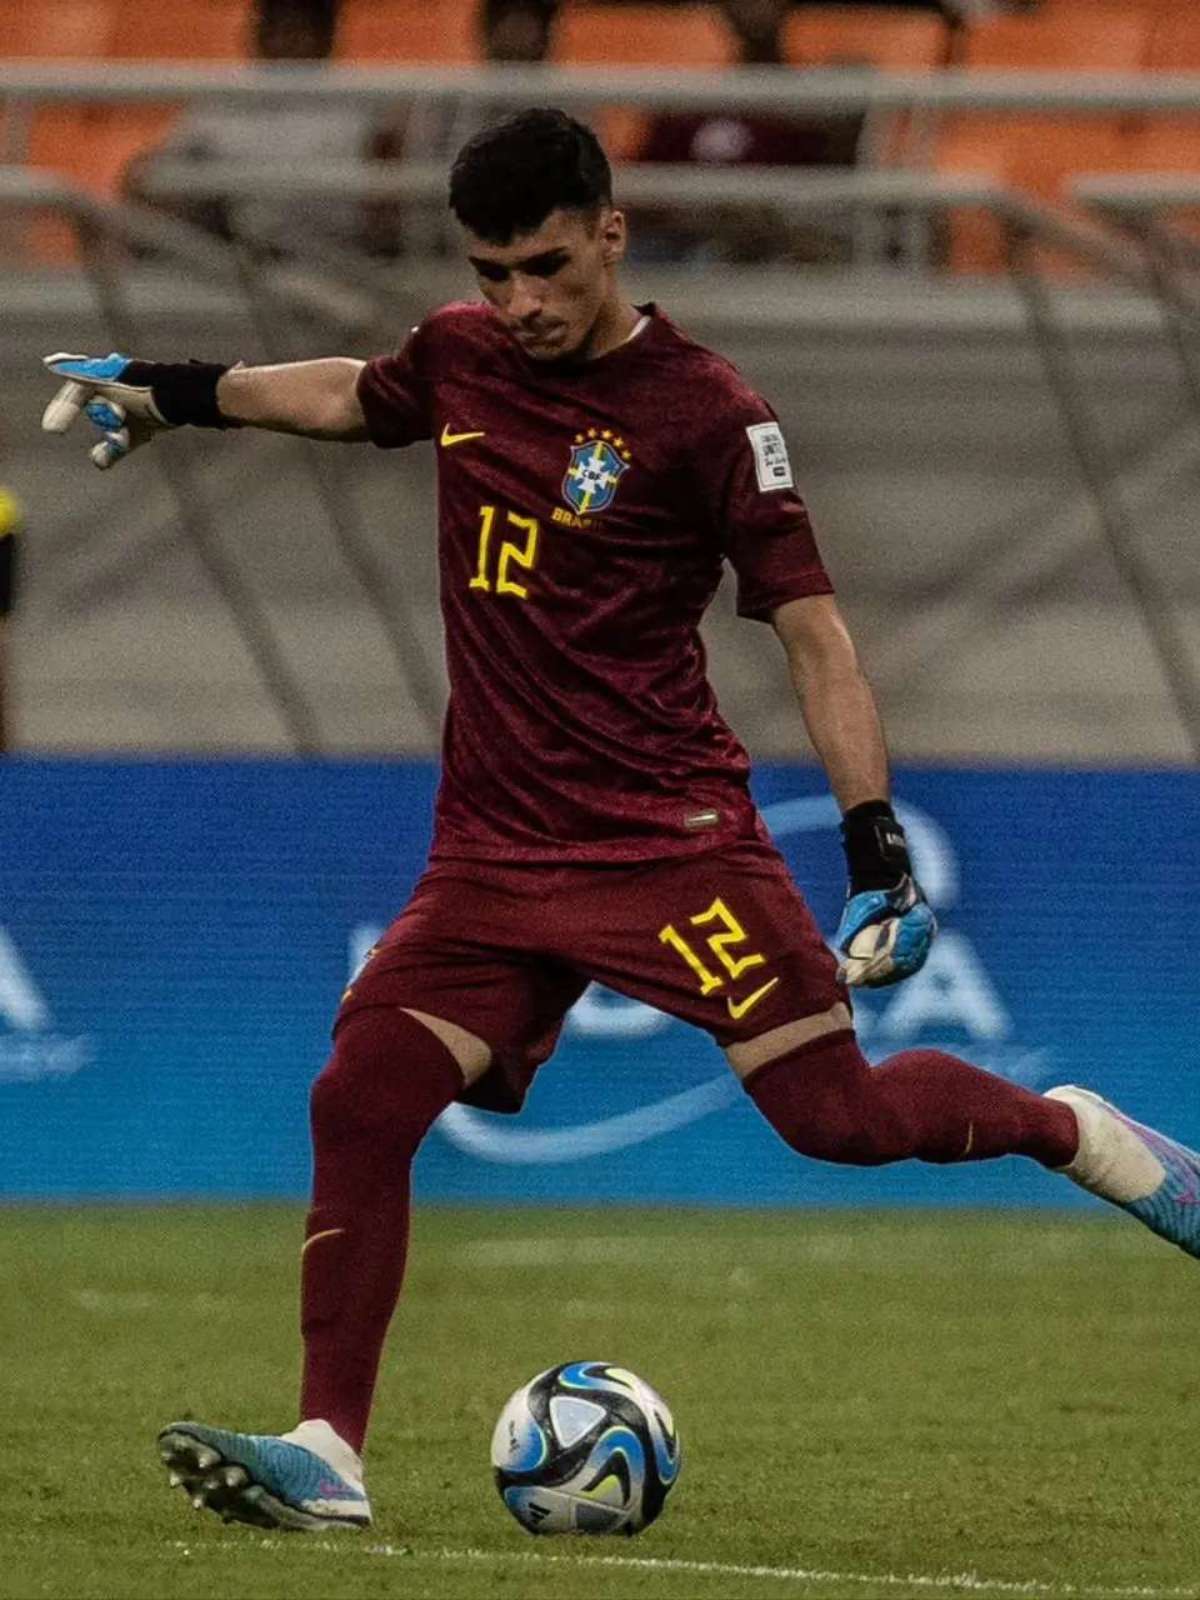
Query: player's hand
(885, 934)
(887, 927)
(117, 396)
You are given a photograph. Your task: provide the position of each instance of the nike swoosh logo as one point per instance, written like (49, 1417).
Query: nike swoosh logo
(325, 1233)
(738, 1008)
(449, 439)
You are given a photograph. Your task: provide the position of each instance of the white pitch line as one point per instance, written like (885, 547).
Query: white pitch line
(969, 1582)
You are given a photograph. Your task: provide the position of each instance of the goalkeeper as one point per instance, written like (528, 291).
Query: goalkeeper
(596, 469)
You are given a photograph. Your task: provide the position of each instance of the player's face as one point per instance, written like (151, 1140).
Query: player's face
(554, 287)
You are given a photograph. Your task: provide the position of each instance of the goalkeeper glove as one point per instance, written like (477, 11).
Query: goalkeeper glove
(131, 401)
(887, 927)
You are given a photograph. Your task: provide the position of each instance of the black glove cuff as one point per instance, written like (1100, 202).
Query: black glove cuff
(876, 849)
(185, 392)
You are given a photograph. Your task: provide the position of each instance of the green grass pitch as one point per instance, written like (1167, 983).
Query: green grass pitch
(900, 1405)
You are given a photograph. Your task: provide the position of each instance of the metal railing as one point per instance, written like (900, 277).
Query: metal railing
(778, 89)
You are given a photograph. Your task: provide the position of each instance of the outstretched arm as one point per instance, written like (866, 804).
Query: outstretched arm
(886, 927)
(316, 398)
(130, 401)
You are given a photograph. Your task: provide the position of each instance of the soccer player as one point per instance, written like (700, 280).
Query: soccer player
(596, 467)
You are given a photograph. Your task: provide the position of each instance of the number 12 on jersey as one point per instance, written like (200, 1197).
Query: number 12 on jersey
(524, 554)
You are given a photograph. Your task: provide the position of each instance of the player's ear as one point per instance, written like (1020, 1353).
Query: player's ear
(613, 237)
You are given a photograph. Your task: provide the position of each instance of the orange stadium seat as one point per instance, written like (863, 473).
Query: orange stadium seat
(688, 36)
(893, 38)
(58, 134)
(56, 29)
(1039, 156)
(665, 36)
(1102, 38)
(1041, 153)
(1175, 41)
(148, 30)
(407, 30)
(202, 30)
(1168, 144)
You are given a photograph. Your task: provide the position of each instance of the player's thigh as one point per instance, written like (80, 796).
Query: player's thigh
(727, 942)
(449, 959)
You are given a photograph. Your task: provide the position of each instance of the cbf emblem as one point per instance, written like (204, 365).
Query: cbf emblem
(597, 461)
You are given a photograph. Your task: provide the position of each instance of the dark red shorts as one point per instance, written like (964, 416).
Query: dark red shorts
(723, 940)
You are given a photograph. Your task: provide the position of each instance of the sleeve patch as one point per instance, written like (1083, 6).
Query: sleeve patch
(770, 456)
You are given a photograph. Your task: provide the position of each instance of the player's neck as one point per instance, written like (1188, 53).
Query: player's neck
(612, 327)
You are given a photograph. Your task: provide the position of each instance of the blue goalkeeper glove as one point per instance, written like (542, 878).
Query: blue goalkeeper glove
(131, 401)
(887, 927)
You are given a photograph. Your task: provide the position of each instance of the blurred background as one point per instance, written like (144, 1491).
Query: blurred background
(954, 244)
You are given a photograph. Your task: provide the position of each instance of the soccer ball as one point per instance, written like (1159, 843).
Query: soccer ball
(586, 1447)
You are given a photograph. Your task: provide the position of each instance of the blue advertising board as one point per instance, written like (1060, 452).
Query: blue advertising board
(174, 937)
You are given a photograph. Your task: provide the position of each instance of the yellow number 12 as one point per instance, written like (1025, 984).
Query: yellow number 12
(524, 554)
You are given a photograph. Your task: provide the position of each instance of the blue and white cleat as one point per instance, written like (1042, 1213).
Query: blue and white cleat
(1155, 1179)
(300, 1481)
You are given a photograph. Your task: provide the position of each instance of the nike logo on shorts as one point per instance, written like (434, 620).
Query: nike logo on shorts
(738, 1008)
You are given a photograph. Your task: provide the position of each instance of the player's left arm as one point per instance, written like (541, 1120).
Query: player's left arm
(887, 927)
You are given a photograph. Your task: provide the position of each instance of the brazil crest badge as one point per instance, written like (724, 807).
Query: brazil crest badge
(598, 459)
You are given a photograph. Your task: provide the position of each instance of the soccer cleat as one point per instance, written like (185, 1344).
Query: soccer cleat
(299, 1481)
(1155, 1179)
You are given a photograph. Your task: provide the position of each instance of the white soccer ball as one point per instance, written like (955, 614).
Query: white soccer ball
(586, 1447)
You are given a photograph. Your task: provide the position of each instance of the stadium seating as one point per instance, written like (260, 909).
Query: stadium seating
(1041, 153)
(642, 35)
(1107, 37)
(203, 30)
(1175, 40)
(687, 36)
(382, 31)
(893, 38)
(63, 29)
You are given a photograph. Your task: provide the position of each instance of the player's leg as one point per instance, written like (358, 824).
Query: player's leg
(727, 942)
(404, 1050)
(389, 1078)
(827, 1102)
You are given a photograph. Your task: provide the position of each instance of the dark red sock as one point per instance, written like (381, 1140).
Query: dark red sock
(827, 1101)
(388, 1080)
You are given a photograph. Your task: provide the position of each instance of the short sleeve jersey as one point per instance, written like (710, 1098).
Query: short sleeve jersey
(585, 513)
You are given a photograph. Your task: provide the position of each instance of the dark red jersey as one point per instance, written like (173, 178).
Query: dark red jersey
(584, 515)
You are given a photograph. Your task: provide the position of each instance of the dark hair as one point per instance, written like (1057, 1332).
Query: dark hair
(508, 178)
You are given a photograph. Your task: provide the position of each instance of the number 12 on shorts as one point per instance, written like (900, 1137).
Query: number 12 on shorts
(729, 932)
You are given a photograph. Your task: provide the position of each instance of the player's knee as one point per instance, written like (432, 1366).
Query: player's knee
(388, 1079)
(825, 1101)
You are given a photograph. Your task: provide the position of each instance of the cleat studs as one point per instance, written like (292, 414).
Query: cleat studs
(205, 1458)
(174, 1479)
(198, 1502)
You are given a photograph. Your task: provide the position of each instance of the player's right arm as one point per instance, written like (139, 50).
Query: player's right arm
(318, 399)
(130, 401)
